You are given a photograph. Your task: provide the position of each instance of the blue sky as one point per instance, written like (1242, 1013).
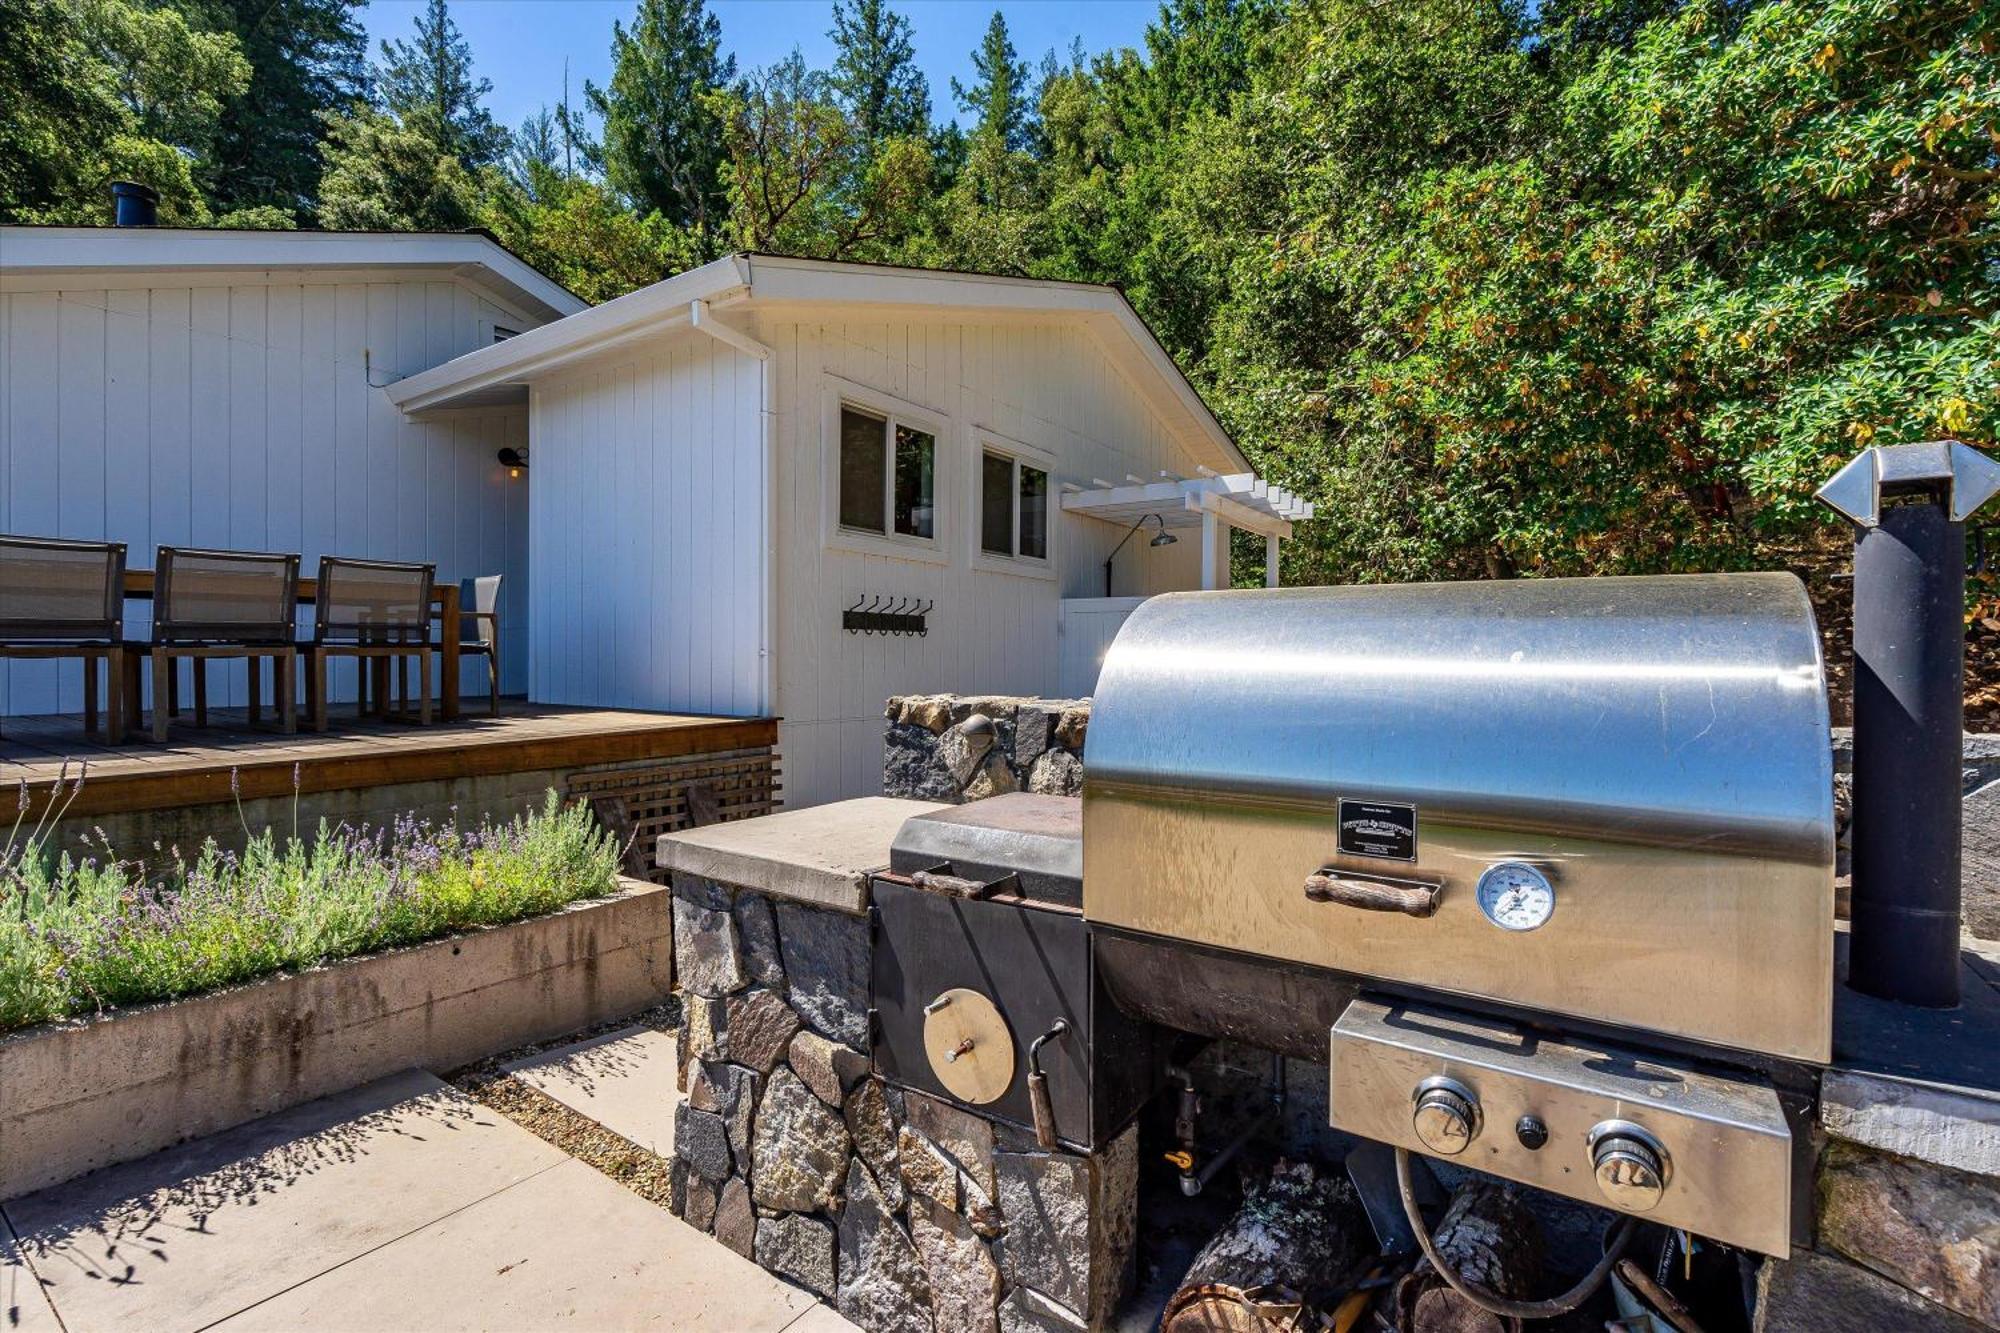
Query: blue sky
(521, 44)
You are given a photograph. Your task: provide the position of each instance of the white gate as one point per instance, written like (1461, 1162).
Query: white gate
(1089, 624)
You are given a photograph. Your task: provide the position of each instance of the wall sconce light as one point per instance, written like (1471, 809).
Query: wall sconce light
(514, 460)
(1160, 538)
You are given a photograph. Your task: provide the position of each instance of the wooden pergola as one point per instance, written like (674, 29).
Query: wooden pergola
(1214, 502)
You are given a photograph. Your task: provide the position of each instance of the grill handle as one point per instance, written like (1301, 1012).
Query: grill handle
(1372, 895)
(957, 886)
(1038, 1087)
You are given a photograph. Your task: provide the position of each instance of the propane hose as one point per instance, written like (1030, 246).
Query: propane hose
(1493, 1302)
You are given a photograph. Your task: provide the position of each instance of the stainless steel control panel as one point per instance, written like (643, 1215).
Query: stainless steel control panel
(1618, 1128)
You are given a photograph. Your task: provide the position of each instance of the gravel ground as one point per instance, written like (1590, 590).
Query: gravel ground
(549, 1120)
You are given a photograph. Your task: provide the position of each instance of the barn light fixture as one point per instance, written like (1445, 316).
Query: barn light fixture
(514, 460)
(1160, 538)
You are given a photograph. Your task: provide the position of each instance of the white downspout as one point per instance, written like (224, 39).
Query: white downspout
(700, 317)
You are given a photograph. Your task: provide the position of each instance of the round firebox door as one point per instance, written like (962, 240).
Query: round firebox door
(970, 1049)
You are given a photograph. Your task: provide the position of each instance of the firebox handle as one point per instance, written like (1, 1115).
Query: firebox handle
(1492, 1302)
(1329, 886)
(1038, 1086)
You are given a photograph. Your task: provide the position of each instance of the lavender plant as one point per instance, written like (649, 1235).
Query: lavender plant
(81, 934)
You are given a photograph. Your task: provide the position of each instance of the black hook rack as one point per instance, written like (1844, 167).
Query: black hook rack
(887, 615)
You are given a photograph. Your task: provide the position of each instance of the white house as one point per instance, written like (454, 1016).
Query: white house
(221, 388)
(728, 462)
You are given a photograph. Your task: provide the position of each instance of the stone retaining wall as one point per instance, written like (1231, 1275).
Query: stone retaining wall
(901, 1210)
(943, 747)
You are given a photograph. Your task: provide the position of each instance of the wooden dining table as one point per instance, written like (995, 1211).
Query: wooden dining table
(444, 601)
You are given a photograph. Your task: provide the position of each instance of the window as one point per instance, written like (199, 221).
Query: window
(501, 335)
(888, 475)
(1013, 507)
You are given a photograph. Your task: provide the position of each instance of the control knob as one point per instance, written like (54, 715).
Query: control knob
(1446, 1116)
(1631, 1166)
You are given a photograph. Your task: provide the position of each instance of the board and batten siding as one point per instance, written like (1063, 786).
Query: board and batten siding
(241, 415)
(1047, 386)
(646, 531)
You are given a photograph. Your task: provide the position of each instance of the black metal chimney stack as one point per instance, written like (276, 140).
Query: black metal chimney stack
(134, 205)
(1909, 503)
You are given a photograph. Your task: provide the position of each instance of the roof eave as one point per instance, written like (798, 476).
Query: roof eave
(86, 250)
(545, 350)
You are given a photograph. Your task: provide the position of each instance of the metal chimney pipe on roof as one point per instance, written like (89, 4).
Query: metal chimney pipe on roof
(134, 205)
(1909, 504)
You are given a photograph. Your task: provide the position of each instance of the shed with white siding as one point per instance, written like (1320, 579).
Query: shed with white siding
(223, 388)
(726, 462)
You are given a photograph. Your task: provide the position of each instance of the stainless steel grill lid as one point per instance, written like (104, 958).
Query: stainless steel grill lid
(1613, 794)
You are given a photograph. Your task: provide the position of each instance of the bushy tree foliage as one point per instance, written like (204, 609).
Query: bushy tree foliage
(577, 232)
(97, 90)
(1506, 287)
(306, 57)
(662, 135)
(804, 177)
(875, 74)
(998, 98)
(429, 86)
(382, 175)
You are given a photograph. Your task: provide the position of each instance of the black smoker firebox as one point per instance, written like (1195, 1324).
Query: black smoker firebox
(984, 988)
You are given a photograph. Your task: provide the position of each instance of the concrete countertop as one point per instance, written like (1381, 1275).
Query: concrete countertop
(822, 855)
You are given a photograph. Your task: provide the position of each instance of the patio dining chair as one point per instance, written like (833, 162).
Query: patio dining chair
(223, 604)
(67, 599)
(378, 612)
(479, 629)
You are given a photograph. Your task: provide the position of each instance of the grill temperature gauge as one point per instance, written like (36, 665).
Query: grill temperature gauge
(1516, 896)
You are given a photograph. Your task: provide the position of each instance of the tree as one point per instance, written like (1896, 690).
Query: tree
(875, 72)
(999, 98)
(102, 89)
(429, 87)
(307, 57)
(803, 178)
(580, 234)
(662, 138)
(382, 175)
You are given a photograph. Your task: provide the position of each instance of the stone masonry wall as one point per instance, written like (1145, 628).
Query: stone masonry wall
(901, 1210)
(1907, 1216)
(942, 747)
(1980, 863)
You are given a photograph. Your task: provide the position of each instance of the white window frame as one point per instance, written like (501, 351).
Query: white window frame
(1017, 452)
(837, 393)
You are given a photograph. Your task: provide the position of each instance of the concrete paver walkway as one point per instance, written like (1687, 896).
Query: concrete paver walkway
(623, 1080)
(400, 1205)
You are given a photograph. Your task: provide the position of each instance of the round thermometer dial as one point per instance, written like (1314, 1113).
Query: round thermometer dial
(1516, 896)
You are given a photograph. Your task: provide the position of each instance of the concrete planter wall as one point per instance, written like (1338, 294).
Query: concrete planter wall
(88, 1093)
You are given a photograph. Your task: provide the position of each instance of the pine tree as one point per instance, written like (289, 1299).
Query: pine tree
(662, 138)
(428, 86)
(306, 57)
(382, 175)
(875, 72)
(1000, 96)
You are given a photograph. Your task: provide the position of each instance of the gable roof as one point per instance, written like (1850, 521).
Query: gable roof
(33, 252)
(499, 373)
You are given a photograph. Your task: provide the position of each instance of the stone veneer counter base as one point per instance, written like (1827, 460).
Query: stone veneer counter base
(903, 1211)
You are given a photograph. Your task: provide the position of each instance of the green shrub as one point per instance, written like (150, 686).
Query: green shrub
(84, 934)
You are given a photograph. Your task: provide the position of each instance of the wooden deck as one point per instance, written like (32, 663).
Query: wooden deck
(228, 759)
